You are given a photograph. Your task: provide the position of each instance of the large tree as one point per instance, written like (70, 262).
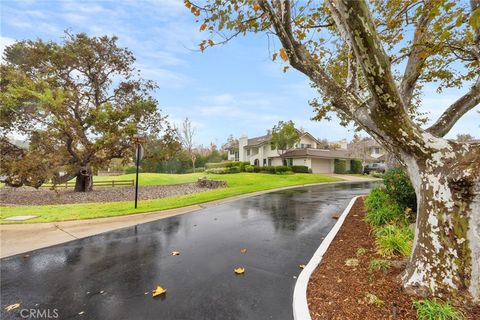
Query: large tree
(369, 62)
(78, 104)
(284, 138)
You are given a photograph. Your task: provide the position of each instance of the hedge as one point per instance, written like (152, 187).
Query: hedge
(340, 166)
(300, 169)
(227, 164)
(399, 188)
(356, 166)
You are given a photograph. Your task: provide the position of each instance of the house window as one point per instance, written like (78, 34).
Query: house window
(256, 162)
(248, 152)
(376, 150)
(264, 162)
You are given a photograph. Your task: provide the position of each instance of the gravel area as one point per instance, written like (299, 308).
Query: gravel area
(44, 196)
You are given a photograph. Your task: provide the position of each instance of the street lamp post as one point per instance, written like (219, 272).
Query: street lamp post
(138, 139)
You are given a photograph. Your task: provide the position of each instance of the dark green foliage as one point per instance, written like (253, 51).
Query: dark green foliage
(340, 166)
(399, 188)
(268, 169)
(249, 168)
(356, 166)
(282, 169)
(300, 169)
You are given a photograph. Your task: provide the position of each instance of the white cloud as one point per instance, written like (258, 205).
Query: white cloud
(5, 42)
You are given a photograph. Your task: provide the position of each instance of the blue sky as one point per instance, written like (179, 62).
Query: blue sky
(232, 89)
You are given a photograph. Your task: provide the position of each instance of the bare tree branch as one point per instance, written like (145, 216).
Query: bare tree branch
(415, 62)
(464, 104)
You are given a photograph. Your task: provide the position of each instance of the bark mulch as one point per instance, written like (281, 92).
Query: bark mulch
(26, 196)
(338, 291)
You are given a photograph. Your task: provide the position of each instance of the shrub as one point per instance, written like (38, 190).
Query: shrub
(356, 166)
(379, 264)
(340, 166)
(267, 169)
(217, 170)
(431, 309)
(132, 169)
(300, 169)
(212, 165)
(376, 199)
(387, 213)
(399, 188)
(242, 165)
(249, 168)
(283, 169)
(381, 209)
(223, 170)
(393, 240)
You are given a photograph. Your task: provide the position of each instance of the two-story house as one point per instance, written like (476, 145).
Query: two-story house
(368, 150)
(258, 151)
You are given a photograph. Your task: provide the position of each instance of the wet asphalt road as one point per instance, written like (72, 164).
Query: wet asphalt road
(106, 276)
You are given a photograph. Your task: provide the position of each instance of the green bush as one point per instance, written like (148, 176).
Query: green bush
(282, 169)
(400, 189)
(267, 169)
(376, 199)
(356, 166)
(132, 169)
(388, 213)
(340, 166)
(300, 169)
(394, 240)
(223, 170)
(249, 168)
(431, 309)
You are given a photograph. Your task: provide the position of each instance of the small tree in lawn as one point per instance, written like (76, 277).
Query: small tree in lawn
(284, 137)
(187, 134)
(78, 103)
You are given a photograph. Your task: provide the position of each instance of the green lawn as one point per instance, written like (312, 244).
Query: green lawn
(238, 184)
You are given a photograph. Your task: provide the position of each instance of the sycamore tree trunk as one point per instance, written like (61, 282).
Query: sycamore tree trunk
(84, 179)
(446, 175)
(446, 254)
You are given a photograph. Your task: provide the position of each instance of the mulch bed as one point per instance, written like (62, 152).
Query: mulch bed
(338, 291)
(44, 196)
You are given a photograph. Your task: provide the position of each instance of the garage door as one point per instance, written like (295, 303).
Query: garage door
(322, 166)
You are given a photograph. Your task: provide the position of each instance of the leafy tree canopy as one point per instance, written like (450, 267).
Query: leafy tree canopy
(78, 103)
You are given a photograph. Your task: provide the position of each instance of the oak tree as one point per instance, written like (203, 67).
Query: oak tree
(370, 69)
(77, 103)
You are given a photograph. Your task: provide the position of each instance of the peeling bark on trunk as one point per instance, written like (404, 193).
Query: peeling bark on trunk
(446, 252)
(84, 180)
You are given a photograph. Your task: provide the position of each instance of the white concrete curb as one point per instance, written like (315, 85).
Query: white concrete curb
(300, 306)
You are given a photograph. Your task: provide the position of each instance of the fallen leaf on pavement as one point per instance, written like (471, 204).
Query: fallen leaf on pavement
(10, 307)
(302, 266)
(158, 291)
(239, 270)
(243, 250)
(175, 253)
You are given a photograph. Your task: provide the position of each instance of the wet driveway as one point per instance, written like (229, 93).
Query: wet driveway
(107, 276)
